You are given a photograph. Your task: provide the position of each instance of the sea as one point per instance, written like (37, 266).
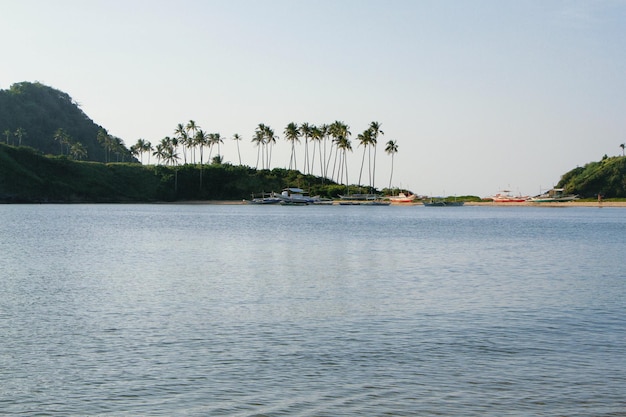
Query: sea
(244, 310)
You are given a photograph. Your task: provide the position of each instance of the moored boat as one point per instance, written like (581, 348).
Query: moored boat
(442, 202)
(505, 196)
(294, 196)
(555, 195)
(264, 198)
(402, 198)
(359, 197)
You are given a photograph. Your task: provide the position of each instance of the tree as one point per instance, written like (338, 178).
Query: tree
(391, 149)
(344, 145)
(323, 129)
(200, 140)
(340, 132)
(375, 128)
(7, 135)
(215, 139)
(170, 156)
(270, 140)
(159, 152)
(140, 147)
(19, 134)
(147, 148)
(306, 130)
(365, 139)
(316, 138)
(78, 151)
(183, 137)
(623, 145)
(105, 140)
(292, 134)
(60, 136)
(191, 130)
(258, 139)
(237, 138)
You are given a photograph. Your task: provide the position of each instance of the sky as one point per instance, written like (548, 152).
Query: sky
(479, 95)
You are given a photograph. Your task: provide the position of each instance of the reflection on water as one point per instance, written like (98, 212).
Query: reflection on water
(247, 310)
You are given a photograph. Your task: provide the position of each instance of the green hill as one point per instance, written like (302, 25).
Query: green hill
(607, 177)
(35, 115)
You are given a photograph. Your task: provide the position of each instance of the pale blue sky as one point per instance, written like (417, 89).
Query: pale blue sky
(479, 95)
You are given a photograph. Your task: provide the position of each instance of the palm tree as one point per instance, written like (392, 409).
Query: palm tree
(191, 128)
(344, 145)
(375, 128)
(105, 140)
(364, 139)
(159, 152)
(78, 151)
(258, 140)
(623, 145)
(270, 139)
(237, 138)
(171, 157)
(391, 149)
(215, 139)
(306, 131)
(292, 134)
(200, 140)
(139, 148)
(316, 138)
(59, 136)
(340, 132)
(324, 132)
(7, 134)
(20, 133)
(147, 148)
(183, 137)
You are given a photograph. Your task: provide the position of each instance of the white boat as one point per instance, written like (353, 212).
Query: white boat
(505, 196)
(402, 198)
(294, 196)
(555, 195)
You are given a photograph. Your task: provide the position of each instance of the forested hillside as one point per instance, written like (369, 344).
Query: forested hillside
(607, 178)
(35, 115)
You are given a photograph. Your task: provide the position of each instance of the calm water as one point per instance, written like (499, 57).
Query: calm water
(312, 311)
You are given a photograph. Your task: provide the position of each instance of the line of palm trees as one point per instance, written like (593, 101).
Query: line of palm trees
(326, 148)
(19, 133)
(75, 150)
(111, 144)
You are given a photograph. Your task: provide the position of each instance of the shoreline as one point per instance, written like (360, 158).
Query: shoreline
(468, 203)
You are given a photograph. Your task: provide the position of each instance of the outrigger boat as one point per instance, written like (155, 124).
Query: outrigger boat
(264, 198)
(442, 202)
(402, 198)
(294, 196)
(505, 196)
(359, 197)
(555, 195)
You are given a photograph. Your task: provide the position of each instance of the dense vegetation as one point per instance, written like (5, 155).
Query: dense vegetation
(607, 178)
(28, 176)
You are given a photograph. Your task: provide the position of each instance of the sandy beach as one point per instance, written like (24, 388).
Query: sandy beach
(469, 203)
(566, 204)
